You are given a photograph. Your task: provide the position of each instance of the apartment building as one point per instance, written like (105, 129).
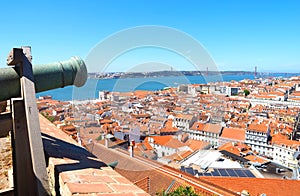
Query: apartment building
(206, 132)
(285, 152)
(184, 121)
(258, 137)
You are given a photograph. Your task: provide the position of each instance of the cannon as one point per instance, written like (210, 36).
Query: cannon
(19, 83)
(46, 77)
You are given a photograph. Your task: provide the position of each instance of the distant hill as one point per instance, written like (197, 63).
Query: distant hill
(164, 73)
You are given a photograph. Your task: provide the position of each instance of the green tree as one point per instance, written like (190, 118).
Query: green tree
(50, 118)
(99, 138)
(246, 92)
(180, 191)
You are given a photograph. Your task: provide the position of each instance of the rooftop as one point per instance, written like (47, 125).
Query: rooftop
(212, 128)
(234, 133)
(258, 186)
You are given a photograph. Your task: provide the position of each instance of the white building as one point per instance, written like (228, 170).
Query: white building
(183, 121)
(282, 151)
(104, 96)
(165, 145)
(206, 132)
(266, 102)
(258, 136)
(285, 151)
(227, 90)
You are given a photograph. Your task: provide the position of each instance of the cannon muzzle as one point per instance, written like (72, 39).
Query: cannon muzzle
(46, 77)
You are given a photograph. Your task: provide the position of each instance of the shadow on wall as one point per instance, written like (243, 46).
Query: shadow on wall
(80, 157)
(72, 157)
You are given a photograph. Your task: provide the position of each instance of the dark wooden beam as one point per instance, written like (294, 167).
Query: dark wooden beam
(24, 178)
(33, 126)
(30, 175)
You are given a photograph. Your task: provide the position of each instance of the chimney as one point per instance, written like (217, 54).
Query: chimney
(106, 142)
(179, 137)
(131, 150)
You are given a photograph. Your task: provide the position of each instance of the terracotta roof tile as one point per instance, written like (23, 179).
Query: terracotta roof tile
(196, 144)
(258, 186)
(256, 159)
(198, 126)
(235, 148)
(234, 133)
(258, 127)
(212, 128)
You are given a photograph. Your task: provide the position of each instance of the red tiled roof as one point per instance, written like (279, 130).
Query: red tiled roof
(296, 93)
(256, 159)
(212, 128)
(198, 126)
(167, 140)
(104, 121)
(258, 127)
(196, 144)
(258, 186)
(185, 116)
(234, 133)
(161, 140)
(140, 115)
(180, 155)
(169, 127)
(142, 94)
(235, 148)
(282, 140)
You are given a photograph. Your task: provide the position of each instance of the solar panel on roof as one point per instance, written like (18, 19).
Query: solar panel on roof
(231, 172)
(249, 174)
(196, 172)
(223, 172)
(207, 174)
(190, 170)
(215, 173)
(182, 168)
(240, 173)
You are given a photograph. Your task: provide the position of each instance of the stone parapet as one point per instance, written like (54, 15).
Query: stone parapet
(72, 170)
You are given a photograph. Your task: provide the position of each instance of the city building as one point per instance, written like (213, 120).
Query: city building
(230, 134)
(258, 137)
(184, 121)
(206, 132)
(285, 152)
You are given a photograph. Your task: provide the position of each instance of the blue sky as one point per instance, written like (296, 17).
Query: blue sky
(237, 34)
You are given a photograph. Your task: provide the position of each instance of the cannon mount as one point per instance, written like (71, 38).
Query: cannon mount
(29, 164)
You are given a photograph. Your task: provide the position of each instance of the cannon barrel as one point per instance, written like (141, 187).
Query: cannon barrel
(46, 77)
